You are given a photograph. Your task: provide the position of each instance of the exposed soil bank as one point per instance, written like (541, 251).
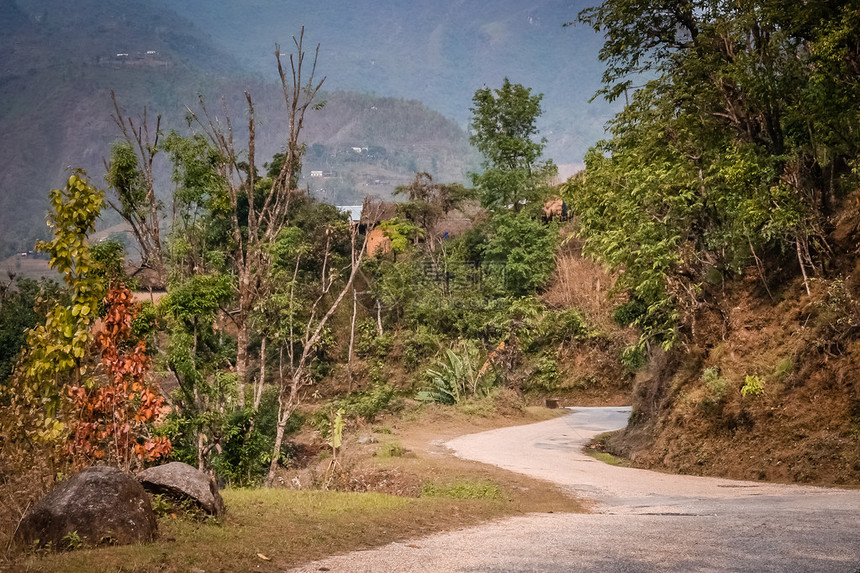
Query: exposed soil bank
(768, 388)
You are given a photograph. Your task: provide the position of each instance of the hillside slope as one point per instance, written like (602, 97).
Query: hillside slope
(768, 389)
(57, 67)
(57, 70)
(438, 52)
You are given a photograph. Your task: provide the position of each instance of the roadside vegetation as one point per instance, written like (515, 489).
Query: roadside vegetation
(283, 328)
(726, 197)
(300, 349)
(380, 499)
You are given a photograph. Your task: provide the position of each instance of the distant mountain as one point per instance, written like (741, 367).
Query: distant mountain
(59, 61)
(436, 51)
(41, 34)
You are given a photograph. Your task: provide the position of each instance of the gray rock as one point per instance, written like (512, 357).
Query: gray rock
(97, 505)
(181, 481)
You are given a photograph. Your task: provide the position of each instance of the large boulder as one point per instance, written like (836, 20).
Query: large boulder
(97, 505)
(180, 482)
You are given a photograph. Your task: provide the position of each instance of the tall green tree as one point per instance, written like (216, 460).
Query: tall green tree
(57, 348)
(504, 130)
(199, 359)
(519, 252)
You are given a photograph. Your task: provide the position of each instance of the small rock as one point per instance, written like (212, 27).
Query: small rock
(97, 505)
(181, 481)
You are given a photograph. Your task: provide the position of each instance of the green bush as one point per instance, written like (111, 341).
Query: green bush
(633, 358)
(457, 376)
(546, 376)
(390, 450)
(247, 441)
(753, 386)
(422, 343)
(146, 324)
(365, 335)
(628, 313)
(367, 405)
(716, 387)
(519, 254)
(783, 368)
(72, 541)
(368, 341)
(552, 327)
(570, 324)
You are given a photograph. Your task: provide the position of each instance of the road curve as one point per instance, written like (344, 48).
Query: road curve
(642, 520)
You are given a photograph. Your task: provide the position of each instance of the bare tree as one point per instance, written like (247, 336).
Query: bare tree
(302, 346)
(129, 174)
(267, 209)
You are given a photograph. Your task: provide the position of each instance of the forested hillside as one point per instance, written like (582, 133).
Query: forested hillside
(727, 197)
(58, 69)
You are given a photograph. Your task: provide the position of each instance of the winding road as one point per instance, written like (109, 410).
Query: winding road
(641, 520)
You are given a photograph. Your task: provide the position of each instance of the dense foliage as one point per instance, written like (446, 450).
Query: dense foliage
(743, 134)
(23, 304)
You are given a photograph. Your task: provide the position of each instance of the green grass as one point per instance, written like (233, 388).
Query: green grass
(607, 458)
(390, 450)
(286, 526)
(597, 450)
(463, 489)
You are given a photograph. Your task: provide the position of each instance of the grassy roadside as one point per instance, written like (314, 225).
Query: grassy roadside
(597, 449)
(279, 528)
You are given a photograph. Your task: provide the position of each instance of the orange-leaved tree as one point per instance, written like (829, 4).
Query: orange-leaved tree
(114, 419)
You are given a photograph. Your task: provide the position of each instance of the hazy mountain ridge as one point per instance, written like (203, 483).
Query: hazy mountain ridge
(57, 71)
(49, 33)
(437, 52)
(58, 64)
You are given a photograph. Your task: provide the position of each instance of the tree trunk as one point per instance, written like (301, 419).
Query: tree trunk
(351, 338)
(802, 266)
(284, 413)
(258, 390)
(379, 316)
(279, 440)
(200, 456)
(242, 343)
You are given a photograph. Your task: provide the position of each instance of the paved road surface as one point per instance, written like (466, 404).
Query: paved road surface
(642, 520)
